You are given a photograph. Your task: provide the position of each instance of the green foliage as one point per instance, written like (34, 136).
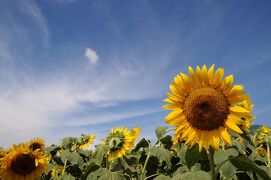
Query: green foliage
(159, 161)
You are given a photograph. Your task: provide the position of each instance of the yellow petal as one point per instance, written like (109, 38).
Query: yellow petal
(211, 73)
(205, 74)
(217, 77)
(174, 113)
(225, 136)
(238, 109)
(170, 106)
(233, 127)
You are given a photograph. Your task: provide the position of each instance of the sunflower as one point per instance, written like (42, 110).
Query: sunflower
(57, 170)
(22, 164)
(37, 143)
(262, 135)
(205, 107)
(87, 140)
(120, 141)
(247, 121)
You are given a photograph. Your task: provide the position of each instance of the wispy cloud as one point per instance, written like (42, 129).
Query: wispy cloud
(92, 56)
(35, 13)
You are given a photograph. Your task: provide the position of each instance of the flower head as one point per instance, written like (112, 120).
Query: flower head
(37, 143)
(22, 164)
(120, 141)
(205, 107)
(86, 141)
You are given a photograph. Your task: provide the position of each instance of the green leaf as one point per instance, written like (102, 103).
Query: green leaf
(101, 150)
(162, 154)
(143, 143)
(52, 149)
(227, 170)
(160, 131)
(181, 150)
(68, 142)
(162, 177)
(72, 157)
(105, 174)
(192, 155)
(180, 170)
(246, 136)
(193, 175)
(222, 155)
(65, 176)
(166, 141)
(91, 167)
(243, 163)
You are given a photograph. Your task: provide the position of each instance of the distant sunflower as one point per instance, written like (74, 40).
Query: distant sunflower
(37, 143)
(22, 164)
(57, 170)
(247, 121)
(120, 141)
(262, 134)
(205, 107)
(87, 140)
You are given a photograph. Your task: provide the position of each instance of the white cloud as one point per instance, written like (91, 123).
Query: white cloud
(35, 13)
(91, 56)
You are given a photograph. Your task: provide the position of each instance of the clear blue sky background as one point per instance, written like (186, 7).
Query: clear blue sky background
(77, 66)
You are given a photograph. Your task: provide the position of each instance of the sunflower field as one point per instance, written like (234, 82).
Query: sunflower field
(209, 137)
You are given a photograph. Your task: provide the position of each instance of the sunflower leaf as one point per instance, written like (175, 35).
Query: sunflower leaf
(101, 150)
(243, 163)
(72, 157)
(143, 143)
(162, 154)
(105, 174)
(192, 155)
(162, 177)
(192, 175)
(90, 168)
(160, 131)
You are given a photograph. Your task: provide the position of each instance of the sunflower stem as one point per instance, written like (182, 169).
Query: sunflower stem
(145, 165)
(268, 154)
(211, 161)
(64, 168)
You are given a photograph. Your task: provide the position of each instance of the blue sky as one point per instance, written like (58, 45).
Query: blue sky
(76, 66)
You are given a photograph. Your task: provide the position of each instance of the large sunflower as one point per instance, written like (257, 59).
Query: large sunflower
(205, 107)
(37, 143)
(22, 164)
(120, 141)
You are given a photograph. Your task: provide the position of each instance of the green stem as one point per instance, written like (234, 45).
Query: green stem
(64, 168)
(172, 129)
(145, 165)
(151, 176)
(268, 154)
(211, 161)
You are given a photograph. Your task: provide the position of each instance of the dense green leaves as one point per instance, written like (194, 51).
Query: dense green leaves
(162, 161)
(243, 163)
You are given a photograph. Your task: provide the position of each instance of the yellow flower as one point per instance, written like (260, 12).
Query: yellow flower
(120, 141)
(87, 141)
(262, 133)
(261, 150)
(205, 107)
(247, 121)
(22, 164)
(57, 170)
(37, 143)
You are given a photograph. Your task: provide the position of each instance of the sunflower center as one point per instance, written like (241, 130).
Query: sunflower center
(23, 164)
(206, 108)
(115, 143)
(35, 146)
